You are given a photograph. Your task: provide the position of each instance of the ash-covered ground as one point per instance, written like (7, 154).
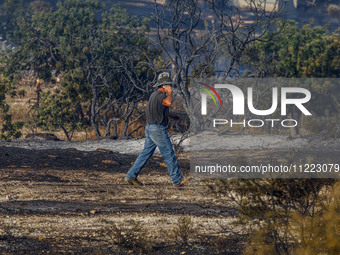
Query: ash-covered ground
(70, 197)
(212, 141)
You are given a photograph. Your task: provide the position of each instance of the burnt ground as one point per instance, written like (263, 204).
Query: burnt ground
(65, 200)
(75, 202)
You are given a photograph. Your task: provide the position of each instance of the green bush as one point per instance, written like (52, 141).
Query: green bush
(8, 128)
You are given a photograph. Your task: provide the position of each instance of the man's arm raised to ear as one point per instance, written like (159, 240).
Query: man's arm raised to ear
(168, 100)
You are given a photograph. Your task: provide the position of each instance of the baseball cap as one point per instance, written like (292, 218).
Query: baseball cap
(163, 79)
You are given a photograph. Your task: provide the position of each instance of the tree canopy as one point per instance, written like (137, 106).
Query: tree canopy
(103, 57)
(306, 52)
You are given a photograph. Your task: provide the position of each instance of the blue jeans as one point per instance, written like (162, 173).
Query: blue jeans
(156, 135)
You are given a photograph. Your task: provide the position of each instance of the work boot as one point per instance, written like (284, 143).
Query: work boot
(134, 182)
(183, 182)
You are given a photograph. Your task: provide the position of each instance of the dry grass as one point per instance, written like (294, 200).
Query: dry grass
(130, 234)
(184, 231)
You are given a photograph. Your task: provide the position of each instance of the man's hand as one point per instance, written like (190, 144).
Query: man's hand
(168, 89)
(168, 100)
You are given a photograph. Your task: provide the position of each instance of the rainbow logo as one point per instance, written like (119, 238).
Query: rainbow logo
(210, 94)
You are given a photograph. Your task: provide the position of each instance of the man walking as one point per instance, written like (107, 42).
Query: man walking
(157, 118)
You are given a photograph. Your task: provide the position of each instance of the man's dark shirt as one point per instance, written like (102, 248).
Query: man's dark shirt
(156, 112)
